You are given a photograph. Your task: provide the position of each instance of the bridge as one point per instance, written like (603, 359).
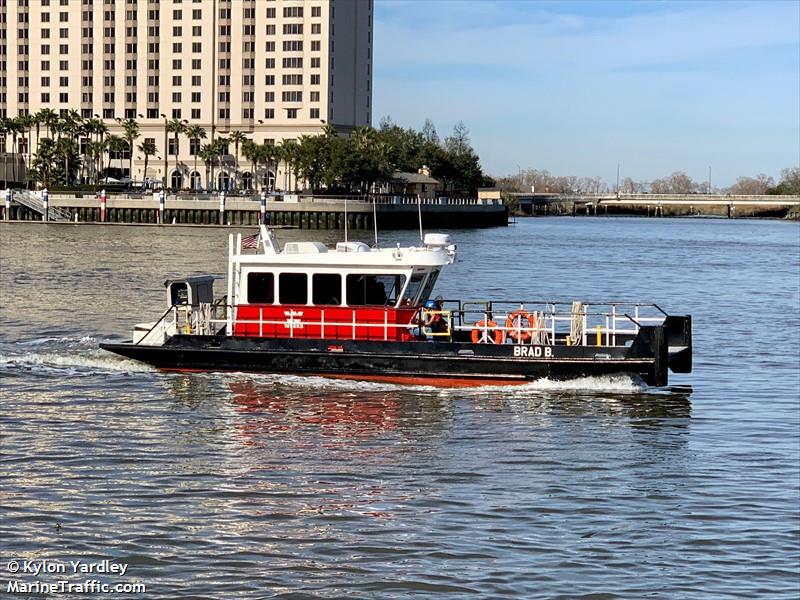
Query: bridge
(729, 205)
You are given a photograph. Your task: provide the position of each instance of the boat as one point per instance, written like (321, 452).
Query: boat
(369, 313)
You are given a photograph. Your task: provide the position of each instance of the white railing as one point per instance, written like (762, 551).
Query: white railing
(608, 324)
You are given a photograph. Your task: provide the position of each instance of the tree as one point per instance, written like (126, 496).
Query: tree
(176, 127)
(429, 132)
(789, 183)
(148, 149)
(207, 154)
(677, 183)
(195, 133)
(43, 162)
(752, 185)
(459, 141)
(131, 132)
(116, 145)
(237, 137)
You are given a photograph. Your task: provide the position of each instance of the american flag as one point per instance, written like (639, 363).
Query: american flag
(251, 241)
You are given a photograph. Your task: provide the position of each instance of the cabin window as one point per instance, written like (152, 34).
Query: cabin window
(413, 287)
(260, 288)
(428, 289)
(374, 290)
(293, 288)
(327, 288)
(179, 293)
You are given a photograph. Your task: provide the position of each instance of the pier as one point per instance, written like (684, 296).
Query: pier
(303, 212)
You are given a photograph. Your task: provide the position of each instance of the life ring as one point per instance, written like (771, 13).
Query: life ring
(515, 323)
(485, 333)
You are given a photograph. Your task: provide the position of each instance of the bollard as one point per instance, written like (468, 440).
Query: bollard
(8, 204)
(263, 206)
(102, 206)
(45, 205)
(222, 208)
(162, 199)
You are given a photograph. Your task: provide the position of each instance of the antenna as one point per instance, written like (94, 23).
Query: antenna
(419, 212)
(345, 219)
(375, 220)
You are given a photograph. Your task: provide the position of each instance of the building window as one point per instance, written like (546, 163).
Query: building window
(195, 113)
(269, 80)
(292, 96)
(270, 30)
(292, 79)
(269, 96)
(197, 30)
(63, 97)
(224, 113)
(316, 29)
(197, 47)
(291, 113)
(269, 63)
(315, 45)
(293, 45)
(316, 11)
(315, 80)
(293, 29)
(152, 113)
(45, 97)
(293, 62)
(172, 146)
(194, 147)
(176, 96)
(314, 97)
(176, 113)
(269, 113)
(314, 113)
(247, 113)
(292, 11)
(270, 47)
(197, 14)
(315, 62)
(196, 80)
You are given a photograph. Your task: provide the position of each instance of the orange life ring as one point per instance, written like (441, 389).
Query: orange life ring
(515, 323)
(485, 333)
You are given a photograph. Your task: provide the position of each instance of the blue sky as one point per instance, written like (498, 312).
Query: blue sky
(577, 87)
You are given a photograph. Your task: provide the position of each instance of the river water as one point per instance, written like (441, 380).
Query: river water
(235, 485)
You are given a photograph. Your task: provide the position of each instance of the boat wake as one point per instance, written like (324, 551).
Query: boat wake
(64, 355)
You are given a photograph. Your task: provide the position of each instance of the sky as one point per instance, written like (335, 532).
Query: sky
(577, 88)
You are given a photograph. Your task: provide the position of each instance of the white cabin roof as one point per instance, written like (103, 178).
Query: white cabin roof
(436, 252)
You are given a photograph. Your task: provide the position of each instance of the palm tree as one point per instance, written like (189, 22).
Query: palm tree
(66, 149)
(195, 133)
(47, 117)
(207, 154)
(45, 157)
(237, 137)
(14, 127)
(288, 151)
(250, 151)
(116, 144)
(148, 148)
(131, 129)
(220, 146)
(177, 127)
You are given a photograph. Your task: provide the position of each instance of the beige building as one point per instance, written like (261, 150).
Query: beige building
(272, 69)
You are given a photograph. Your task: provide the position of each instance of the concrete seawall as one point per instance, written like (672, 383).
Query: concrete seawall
(301, 212)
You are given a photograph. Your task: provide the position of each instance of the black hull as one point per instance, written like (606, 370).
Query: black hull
(436, 363)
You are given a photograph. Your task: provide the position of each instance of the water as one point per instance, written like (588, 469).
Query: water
(234, 485)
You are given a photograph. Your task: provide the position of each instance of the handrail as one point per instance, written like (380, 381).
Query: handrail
(156, 324)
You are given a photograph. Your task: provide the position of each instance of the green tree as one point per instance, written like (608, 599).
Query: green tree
(116, 145)
(195, 133)
(131, 132)
(236, 137)
(175, 127)
(148, 149)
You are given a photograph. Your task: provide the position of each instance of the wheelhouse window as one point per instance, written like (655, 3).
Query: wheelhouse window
(413, 287)
(293, 288)
(374, 290)
(326, 288)
(260, 288)
(428, 289)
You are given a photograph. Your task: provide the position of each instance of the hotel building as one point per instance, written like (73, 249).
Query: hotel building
(272, 69)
